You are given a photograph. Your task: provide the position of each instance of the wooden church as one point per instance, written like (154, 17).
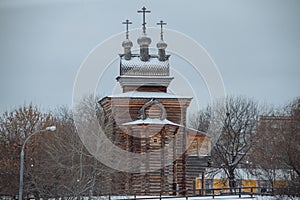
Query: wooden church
(147, 120)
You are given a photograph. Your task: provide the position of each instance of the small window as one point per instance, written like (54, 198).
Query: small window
(155, 140)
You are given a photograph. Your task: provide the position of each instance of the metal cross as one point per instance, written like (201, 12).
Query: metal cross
(144, 11)
(127, 22)
(161, 23)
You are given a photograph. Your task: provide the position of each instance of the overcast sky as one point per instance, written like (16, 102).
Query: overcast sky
(254, 43)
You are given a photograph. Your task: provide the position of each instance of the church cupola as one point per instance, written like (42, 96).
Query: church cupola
(127, 44)
(144, 41)
(161, 45)
(144, 72)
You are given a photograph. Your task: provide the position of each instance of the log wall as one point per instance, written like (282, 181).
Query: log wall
(163, 144)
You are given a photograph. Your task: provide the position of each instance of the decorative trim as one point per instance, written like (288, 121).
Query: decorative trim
(149, 103)
(142, 80)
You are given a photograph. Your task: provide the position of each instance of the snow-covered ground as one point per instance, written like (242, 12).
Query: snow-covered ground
(245, 197)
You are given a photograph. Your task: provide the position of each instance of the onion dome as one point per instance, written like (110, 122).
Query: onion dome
(127, 44)
(144, 41)
(161, 45)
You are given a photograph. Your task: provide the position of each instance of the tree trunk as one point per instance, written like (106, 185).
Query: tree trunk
(231, 179)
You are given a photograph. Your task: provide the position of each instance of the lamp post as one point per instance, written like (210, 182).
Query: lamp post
(50, 128)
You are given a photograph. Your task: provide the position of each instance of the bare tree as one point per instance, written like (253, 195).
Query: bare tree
(237, 117)
(74, 170)
(201, 119)
(264, 159)
(15, 127)
(291, 138)
(56, 164)
(277, 150)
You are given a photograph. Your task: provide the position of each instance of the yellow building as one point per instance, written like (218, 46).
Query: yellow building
(215, 179)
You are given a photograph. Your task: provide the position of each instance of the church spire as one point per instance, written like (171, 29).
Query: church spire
(144, 11)
(127, 44)
(144, 41)
(127, 22)
(161, 23)
(161, 45)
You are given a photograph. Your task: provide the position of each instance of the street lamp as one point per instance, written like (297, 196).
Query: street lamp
(50, 128)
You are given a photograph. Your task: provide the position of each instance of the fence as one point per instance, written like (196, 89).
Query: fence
(213, 192)
(239, 191)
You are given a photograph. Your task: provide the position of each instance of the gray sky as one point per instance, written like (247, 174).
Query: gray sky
(255, 43)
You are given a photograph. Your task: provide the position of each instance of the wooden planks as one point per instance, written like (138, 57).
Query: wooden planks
(162, 145)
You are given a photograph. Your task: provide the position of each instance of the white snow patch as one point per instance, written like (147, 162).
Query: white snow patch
(156, 95)
(151, 121)
(196, 198)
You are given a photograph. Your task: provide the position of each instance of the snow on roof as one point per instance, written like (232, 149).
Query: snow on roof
(151, 121)
(157, 121)
(195, 131)
(242, 173)
(148, 77)
(157, 95)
